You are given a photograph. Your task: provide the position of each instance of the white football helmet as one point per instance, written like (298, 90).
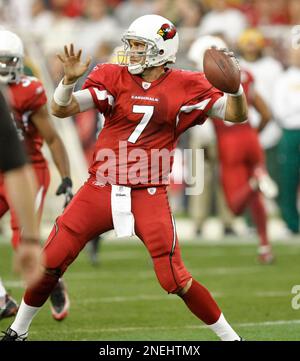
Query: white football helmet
(161, 43)
(199, 46)
(11, 57)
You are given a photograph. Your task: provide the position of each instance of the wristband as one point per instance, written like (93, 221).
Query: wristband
(238, 93)
(63, 94)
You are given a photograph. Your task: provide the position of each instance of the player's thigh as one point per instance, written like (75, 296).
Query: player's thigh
(155, 226)
(234, 176)
(87, 215)
(255, 153)
(153, 219)
(231, 148)
(89, 212)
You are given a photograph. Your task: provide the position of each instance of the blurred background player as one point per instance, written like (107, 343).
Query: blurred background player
(28, 102)
(287, 110)
(266, 70)
(18, 176)
(219, 17)
(211, 200)
(243, 173)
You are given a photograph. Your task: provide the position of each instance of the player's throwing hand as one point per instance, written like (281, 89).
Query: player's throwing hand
(74, 68)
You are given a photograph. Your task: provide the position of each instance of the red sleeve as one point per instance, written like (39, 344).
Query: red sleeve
(200, 97)
(34, 94)
(100, 84)
(248, 83)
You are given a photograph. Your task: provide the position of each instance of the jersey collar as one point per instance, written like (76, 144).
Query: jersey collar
(141, 82)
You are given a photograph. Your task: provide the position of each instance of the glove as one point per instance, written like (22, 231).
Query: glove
(66, 189)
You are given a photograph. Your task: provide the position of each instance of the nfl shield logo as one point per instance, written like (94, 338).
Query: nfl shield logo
(152, 191)
(146, 85)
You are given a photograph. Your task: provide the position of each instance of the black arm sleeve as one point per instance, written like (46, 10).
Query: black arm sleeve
(12, 154)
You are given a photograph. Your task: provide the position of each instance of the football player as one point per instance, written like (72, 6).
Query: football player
(146, 106)
(28, 102)
(243, 172)
(18, 174)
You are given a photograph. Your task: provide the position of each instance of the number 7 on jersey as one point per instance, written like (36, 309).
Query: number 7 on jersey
(147, 110)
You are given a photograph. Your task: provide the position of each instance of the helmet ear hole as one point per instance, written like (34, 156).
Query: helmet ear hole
(161, 52)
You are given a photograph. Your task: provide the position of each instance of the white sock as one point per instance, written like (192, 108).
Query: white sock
(2, 294)
(224, 330)
(24, 317)
(2, 289)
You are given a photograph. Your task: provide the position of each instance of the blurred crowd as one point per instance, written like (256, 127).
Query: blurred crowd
(97, 25)
(190, 13)
(262, 32)
(90, 23)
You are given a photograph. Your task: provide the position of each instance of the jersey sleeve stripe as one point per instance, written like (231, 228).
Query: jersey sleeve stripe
(189, 108)
(198, 106)
(103, 95)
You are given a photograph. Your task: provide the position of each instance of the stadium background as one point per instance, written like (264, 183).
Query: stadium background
(226, 262)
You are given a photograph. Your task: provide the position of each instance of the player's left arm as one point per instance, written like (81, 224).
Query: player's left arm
(230, 107)
(263, 110)
(41, 120)
(236, 110)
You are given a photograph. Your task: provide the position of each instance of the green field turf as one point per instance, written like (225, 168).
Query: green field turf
(121, 299)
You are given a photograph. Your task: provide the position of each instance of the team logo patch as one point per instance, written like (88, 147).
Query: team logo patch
(167, 31)
(39, 90)
(146, 85)
(151, 191)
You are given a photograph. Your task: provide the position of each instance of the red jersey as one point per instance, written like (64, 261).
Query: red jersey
(223, 127)
(144, 120)
(26, 97)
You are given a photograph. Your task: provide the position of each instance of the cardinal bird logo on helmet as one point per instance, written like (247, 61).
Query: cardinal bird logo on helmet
(167, 31)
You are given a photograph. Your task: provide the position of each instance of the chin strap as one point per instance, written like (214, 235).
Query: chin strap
(5, 79)
(136, 69)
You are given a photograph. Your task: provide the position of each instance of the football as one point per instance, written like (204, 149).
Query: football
(221, 71)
